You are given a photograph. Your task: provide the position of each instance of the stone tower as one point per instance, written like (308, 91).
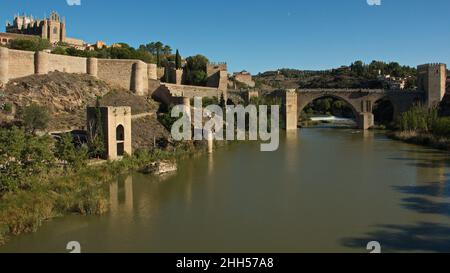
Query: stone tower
(116, 124)
(56, 29)
(432, 78)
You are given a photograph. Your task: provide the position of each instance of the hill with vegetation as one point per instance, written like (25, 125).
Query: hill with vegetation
(357, 75)
(64, 98)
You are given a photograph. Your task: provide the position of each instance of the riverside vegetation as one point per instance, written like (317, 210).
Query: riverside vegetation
(42, 177)
(422, 125)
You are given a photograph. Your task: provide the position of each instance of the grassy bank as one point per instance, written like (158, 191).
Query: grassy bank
(82, 192)
(424, 139)
(423, 126)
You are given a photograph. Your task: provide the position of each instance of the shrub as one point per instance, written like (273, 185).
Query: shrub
(442, 127)
(24, 158)
(35, 117)
(67, 152)
(419, 118)
(38, 44)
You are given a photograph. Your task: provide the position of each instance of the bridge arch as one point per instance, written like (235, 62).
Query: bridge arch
(305, 99)
(384, 111)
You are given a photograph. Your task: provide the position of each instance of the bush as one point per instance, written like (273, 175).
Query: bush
(35, 117)
(167, 120)
(66, 151)
(442, 127)
(419, 118)
(38, 44)
(24, 158)
(6, 108)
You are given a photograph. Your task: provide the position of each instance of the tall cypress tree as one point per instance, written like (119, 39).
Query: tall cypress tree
(178, 60)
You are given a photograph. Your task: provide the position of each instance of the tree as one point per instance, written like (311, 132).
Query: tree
(35, 117)
(178, 60)
(67, 152)
(358, 68)
(23, 158)
(96, 138)
(196, 69)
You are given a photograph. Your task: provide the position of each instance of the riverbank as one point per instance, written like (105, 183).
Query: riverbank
(424, 139)
(82, 192)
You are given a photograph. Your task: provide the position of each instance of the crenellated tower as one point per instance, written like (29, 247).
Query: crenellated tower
(432, 78)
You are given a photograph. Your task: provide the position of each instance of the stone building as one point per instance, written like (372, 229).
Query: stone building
(52, 28)
(432, 78)
(116, 125)
(217, 74)
(244, 77)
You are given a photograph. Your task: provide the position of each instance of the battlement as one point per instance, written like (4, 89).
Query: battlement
(430, 65)
(213, 68)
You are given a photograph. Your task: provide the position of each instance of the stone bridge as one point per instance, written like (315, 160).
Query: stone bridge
(431, 89)
(361, 101)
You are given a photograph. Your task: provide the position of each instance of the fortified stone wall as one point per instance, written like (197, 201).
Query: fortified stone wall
(67, 64)
(194, 91)
(134, 75)
(219, 80)
(21, 63)
(116, 72)
(213, 68)
(170, 93)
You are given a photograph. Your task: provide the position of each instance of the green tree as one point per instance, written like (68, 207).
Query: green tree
(96, 142)
(178, 60)
(24, 158)
(196, 69)
(358, 68)
(35, 117)
(67, 152)
(159, 50)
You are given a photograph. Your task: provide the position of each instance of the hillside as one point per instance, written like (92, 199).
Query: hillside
(357, 75)
(65, 96)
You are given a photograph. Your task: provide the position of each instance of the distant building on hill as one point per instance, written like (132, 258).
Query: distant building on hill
(393, 83)
(244, 77)
(52, 28)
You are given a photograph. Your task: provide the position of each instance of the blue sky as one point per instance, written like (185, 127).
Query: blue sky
(261, 35)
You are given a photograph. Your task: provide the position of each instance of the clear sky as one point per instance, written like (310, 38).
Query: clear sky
(260, 35)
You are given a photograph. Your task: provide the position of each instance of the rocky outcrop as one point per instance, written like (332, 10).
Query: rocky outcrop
(160, 167)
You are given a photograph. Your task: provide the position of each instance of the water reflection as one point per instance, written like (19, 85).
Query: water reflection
(324, 190)
(121, 196)
(291, 150)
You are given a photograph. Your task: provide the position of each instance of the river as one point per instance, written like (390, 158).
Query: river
(324, 190)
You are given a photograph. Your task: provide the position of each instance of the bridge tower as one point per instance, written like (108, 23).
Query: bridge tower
(432, 78)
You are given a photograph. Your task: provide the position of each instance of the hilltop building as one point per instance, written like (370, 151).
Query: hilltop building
(52, 28)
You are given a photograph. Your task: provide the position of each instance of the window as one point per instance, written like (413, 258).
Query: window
(55, 30)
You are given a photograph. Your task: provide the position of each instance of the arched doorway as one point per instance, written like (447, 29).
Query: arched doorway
(328, 110)
(120, 139)
(383, 111)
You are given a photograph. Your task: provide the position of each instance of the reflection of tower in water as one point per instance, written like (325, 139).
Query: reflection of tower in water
(121, 194)
(434, 170)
